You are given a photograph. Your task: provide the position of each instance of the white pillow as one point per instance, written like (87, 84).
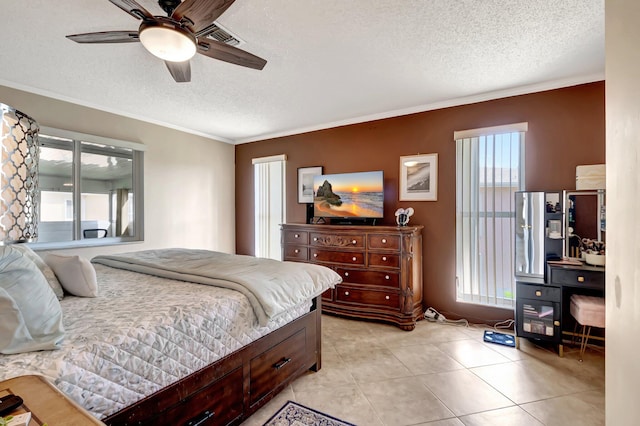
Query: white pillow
(30, 313)
(75, 273)
(44, 268)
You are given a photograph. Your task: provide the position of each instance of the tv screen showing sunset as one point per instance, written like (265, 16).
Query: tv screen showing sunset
(349, 195)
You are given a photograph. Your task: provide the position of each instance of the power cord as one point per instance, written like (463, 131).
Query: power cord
(506, 324)
(433, 315)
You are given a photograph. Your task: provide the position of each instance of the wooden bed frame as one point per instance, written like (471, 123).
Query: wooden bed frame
(234, 387)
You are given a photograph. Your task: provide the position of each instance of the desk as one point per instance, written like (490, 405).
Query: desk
(542, 309)
(46, 403)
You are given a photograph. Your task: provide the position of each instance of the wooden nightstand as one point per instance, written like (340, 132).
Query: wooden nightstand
(46, 403)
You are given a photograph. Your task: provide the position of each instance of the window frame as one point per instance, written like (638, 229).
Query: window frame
(480, 298)
(266, 197)
(137, 153)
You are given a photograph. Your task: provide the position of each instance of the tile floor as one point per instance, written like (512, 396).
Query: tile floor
(444, 375)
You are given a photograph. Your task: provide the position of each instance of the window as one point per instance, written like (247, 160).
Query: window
(270, 202)
(90, 190)
(489, 170)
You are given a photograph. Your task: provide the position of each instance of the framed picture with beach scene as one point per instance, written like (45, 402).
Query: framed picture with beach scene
(419, 177)
(305, 183)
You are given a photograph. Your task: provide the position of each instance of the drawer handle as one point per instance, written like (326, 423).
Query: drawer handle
(386, 277)
(384, 258)
(353, 242)
(386, 297)
(315, 238)
(296, 236)
(538, 293)
(296, 251)
(384, 241)
(354, 258)
(315, 254)
(201, 419)
(580, 279)
(346, 293)
(556, 323)
(279, 365)
(346, 274)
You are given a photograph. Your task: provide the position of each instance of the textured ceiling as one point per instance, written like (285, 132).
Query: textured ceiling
(330, 62)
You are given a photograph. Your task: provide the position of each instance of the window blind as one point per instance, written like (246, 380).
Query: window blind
(489, 170)
(269, 191)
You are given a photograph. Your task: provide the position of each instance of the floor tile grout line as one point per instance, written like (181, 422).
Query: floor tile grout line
(392, 342)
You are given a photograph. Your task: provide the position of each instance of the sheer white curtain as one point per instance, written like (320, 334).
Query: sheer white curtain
(489, 170)
(270, 202)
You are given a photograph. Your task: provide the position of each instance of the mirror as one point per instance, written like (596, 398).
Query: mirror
(585, 221)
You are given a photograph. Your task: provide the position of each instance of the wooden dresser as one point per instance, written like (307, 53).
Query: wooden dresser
(381, 268)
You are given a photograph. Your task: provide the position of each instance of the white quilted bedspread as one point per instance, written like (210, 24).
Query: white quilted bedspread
(141, 334)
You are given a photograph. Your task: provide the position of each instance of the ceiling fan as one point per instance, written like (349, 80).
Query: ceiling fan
(177, 37)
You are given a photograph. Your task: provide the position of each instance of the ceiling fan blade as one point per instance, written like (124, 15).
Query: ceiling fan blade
(200, 12)
(230, 54)
(106, 37)
(133, 8)
(180, 71)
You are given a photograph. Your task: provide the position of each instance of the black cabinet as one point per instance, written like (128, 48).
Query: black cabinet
(538, 310)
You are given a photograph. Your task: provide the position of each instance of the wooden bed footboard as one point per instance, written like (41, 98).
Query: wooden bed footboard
(234, 387)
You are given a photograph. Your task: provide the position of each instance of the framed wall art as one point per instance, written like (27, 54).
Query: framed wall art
(419, 177)
(305, 183)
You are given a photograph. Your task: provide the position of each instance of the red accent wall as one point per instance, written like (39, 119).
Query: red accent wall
(566, 129)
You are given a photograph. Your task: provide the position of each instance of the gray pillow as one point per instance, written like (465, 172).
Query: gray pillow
(76, 274)
(44, 268)
(30, 313)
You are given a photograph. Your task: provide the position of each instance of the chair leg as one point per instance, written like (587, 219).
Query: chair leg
(585, 339)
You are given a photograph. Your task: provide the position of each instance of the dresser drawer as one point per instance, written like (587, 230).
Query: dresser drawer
(295, 253)
(328, 294)
(537, 291)
(363, 276)
(577, 277)
(346, 294)
(384, 259)
(321, 239)
(276, 365)
(389, 242)
(295, 237)
(221, 403)
(329, 256)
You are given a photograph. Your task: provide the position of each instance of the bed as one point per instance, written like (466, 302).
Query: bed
(155, 349)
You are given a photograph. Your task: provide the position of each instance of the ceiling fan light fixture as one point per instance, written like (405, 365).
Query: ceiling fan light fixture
(168, 41)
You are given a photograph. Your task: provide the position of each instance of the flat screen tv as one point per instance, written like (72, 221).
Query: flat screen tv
(349, 195)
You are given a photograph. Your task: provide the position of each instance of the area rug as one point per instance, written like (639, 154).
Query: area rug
(293, 414)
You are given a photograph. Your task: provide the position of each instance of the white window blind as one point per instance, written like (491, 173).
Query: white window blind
(269, 190)
(489, 170)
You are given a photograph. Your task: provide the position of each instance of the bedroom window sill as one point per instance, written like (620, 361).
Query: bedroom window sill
(93, 242)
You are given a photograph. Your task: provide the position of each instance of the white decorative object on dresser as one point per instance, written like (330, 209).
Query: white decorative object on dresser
(381, 268)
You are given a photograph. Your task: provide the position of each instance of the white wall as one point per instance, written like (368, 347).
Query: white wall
(623, 208)
(189, 181)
